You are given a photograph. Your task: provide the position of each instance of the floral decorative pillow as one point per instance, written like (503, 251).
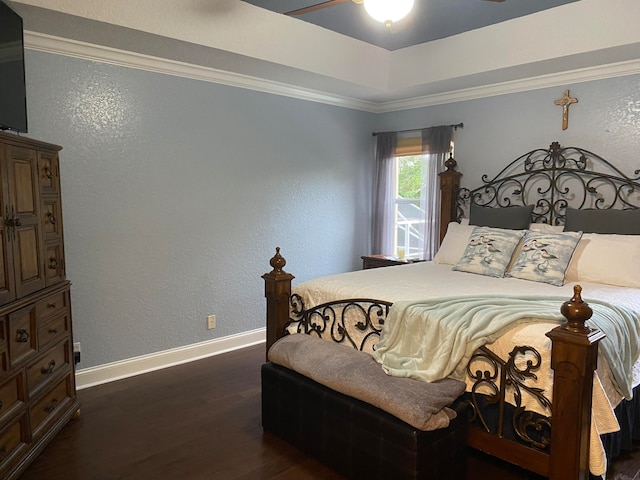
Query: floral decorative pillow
(489, 251)
(545, 256)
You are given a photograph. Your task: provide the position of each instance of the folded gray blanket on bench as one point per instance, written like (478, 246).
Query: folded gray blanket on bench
(356, 374)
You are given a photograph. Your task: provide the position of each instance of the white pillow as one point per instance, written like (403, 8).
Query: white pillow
(454, 243)
(608, 259)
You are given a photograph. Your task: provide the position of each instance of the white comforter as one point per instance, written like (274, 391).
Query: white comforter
(426, 280)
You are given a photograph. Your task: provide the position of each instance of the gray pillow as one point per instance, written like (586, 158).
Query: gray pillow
(621, 222)
(513, 218)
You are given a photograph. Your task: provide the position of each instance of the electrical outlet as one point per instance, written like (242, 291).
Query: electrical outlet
(76, 352)
(211, 322)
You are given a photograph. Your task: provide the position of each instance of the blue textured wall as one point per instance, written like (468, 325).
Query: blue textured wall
(176, 193)
(606, 120)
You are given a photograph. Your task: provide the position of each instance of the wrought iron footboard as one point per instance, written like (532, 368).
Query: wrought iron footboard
(495, 380)
(498, 386)
(355, 322)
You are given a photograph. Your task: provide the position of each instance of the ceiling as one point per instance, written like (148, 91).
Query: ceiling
(429, 19)
(448, 51)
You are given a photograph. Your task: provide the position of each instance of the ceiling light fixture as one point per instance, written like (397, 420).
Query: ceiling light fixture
(388, 11)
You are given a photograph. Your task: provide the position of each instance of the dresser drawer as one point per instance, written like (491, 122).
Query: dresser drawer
(13, 441)
(52, 215)
(47, 366)
(52, 305)
(53, 329)
(49, 173)
(50, 407)
(54, 263)
(21, 333)
(12, 394)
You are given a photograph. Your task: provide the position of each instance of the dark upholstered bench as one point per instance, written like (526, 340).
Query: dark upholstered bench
(355, 438)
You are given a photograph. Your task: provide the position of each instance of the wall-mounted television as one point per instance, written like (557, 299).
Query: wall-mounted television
(13, 91)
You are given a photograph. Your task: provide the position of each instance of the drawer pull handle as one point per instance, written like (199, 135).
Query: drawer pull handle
(50, 408)
(53, 263)
(48, 173)
(22, 336)
(53, 331)
(51, 218)
(49, 369)
(51, 305)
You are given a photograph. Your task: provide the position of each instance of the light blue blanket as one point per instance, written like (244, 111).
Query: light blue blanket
(433, 339)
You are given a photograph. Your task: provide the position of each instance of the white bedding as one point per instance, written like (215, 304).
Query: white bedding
(425, 280)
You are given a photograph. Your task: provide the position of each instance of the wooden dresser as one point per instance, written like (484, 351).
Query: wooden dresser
(37, 382)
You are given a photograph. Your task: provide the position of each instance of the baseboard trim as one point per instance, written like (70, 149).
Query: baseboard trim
(109, 372)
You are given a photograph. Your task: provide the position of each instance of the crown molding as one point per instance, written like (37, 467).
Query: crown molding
(73, 48)
(599, 72)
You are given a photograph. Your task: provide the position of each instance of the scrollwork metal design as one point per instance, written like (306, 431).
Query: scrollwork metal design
(494, 379)
(357, 322)
(553, 180)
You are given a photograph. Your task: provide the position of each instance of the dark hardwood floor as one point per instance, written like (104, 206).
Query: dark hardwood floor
(201, 421)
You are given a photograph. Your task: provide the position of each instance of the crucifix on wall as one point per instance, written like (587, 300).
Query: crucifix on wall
(564, 102)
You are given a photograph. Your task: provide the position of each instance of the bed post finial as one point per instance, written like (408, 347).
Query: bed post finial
(451, 163)
(574, 357)
(277, 262)
(277, 290)
(576, 311)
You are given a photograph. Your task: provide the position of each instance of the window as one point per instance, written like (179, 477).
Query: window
(410, 207)
(412, 197)
(406, 197)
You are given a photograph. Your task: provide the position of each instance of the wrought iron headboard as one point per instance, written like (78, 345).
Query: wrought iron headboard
(552, 180)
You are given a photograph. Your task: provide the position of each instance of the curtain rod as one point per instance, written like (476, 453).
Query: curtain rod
(455, 127)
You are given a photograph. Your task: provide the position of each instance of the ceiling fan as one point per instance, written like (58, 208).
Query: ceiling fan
(331, 3)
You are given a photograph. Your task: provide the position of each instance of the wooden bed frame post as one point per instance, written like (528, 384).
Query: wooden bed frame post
(574, 360)
(277, 290)
(449, 188)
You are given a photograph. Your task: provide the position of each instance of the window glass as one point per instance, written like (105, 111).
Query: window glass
(409, 211)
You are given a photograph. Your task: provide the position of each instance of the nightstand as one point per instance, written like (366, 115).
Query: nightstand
(377, 261)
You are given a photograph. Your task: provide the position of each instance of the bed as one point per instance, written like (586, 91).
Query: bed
(519, 381)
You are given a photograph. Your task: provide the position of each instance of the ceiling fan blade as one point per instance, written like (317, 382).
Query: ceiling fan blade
(313, 8)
